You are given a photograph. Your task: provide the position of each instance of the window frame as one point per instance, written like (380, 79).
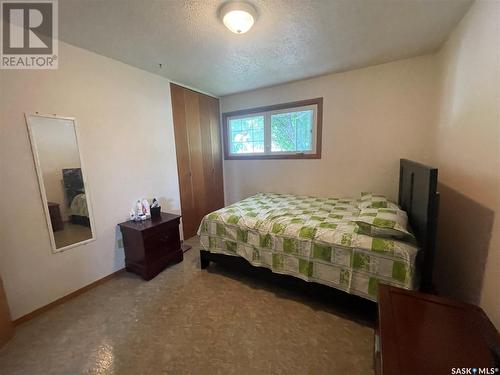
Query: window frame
(267, 112)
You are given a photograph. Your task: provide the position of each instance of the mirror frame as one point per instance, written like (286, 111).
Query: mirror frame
(41, 185)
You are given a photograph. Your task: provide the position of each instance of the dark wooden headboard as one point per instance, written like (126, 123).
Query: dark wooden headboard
(418, 196)
(73, 183)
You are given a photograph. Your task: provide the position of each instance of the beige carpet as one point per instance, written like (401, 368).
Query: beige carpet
(192, 321)
(72, 233)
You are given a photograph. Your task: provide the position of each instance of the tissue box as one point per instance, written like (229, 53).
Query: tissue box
(155, 212)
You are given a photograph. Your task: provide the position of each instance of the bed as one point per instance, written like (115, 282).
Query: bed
(79, 212)
(334, 241)
(74, 190)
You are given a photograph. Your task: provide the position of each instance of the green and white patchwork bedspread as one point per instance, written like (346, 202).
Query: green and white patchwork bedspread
(79, 206)
(315, 239)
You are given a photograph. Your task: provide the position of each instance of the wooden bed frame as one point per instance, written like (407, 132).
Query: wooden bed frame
(418, 196)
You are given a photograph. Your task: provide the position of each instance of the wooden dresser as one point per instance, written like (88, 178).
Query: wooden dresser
(151, 245)
(55, 216)
(424, 334)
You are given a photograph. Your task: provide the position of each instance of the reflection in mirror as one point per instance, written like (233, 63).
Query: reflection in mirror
(58, 163)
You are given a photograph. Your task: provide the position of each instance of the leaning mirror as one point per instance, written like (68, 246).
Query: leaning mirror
(61, 177)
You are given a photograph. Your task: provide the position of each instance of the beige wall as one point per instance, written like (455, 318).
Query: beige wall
(468, 157)
(372, 118)
(127, 144)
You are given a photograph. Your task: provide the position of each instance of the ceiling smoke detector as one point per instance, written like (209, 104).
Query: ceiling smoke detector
(238, 16)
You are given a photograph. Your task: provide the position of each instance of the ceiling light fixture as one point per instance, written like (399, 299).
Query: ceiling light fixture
(238, 16)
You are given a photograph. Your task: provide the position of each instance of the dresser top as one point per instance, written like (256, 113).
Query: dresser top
(426, 334)
(149, 223)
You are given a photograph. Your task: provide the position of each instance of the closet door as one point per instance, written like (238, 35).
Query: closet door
(212, 153)
(199, 155)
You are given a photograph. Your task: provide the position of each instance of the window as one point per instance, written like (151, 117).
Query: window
(247, 135)
(283, 131)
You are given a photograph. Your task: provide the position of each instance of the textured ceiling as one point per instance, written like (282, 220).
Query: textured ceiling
(292, 39)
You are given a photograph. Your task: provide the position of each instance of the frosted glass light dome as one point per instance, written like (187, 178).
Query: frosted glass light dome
(238, 17)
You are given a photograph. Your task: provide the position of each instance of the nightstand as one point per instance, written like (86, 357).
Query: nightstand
(55, 216)
(151, 245)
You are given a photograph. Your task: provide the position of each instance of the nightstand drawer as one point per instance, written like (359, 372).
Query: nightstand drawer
(162, 243)
(158, 230)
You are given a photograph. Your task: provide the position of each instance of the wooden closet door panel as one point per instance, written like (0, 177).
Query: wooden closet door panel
(188, 207)
(216, 143)
(192, 105)
(208, 165)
